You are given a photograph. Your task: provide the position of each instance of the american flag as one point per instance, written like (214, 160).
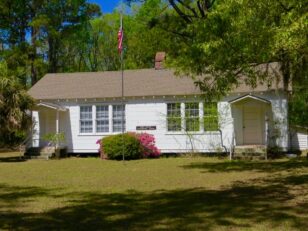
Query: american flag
(120, 39)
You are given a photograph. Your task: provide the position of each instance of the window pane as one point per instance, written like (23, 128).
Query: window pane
(210, 119)
(86, 124)
(192, 124)
(174, 117)
(174, 124)
(102, 118)
(102, 126)
(174, 110)
(192, 121)
(86, 112)
(102, 112)
(118, 114)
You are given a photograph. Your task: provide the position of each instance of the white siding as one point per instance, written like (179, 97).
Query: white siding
(280, 120)
(36, 129)
(278, 117)
(153, 113)
(140, 113)
(299, 140)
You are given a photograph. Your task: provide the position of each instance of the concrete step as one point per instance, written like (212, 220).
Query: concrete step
(38, 157)
(251, 152)
(39, 152)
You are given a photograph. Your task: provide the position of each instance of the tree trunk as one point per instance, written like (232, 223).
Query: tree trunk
(286, 72)
(52, 57)
(33, 56)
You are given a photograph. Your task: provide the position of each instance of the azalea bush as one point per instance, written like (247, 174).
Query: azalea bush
(134, 145)
(147, 142)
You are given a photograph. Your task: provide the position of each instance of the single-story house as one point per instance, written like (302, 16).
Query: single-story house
(88, 106)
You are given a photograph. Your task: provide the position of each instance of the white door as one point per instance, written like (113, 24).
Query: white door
(252, 125)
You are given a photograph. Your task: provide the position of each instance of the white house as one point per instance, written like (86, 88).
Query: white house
(88, 106)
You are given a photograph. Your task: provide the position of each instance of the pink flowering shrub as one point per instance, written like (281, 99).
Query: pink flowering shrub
(147, 142)
(147, 145)
(100, 149)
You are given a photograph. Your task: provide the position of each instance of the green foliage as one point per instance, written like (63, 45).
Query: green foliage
(232, 39)
(48, 24)
(12, 139)
(55, 139)
(192, 120)
(298, 107)
(210, 117)
(14, 107)
(114, 146)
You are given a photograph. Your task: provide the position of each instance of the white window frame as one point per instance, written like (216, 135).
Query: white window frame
(103, 119)
(86, 120)
(202, 130)
(181, 115)
(94, 119)
(119, 119)
(191, 117)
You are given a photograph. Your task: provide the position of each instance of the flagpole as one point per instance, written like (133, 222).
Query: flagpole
(122, 88)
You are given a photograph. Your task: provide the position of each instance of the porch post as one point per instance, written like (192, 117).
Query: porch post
(57, 122)
(57, 127)
(266, 135)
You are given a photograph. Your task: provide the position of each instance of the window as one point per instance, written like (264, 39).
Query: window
(192, 120)
(86, 123)
(118, 114)
(174, 117)
(210, 116)
(102, 118)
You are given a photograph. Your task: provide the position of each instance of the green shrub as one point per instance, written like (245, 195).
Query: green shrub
(113, 147)
(12, 139)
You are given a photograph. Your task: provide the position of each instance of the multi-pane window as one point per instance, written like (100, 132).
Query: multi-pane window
(86, 123)
(102, 118)
(210, 116)
(118, 116)
(192, 120)
(174, 117)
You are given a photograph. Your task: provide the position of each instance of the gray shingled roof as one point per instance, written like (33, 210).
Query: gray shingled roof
(142, 82)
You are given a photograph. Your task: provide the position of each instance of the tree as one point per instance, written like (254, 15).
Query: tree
(47, 23)
(227, 39)
(15, 104)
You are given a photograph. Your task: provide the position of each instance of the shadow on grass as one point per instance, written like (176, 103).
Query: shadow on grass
(12, 159)
(239, 206)
(262, 166)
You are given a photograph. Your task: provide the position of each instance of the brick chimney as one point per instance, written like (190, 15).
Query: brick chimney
(159, 60)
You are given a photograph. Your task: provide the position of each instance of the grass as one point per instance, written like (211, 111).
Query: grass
(161, 194)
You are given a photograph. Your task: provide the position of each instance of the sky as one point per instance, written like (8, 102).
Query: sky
(107, 6)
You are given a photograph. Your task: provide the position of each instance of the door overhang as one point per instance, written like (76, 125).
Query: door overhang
(51, 106)
(250, 115)
(251, 97)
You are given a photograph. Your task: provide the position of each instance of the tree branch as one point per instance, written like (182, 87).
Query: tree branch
(188, 7)
(180, 12)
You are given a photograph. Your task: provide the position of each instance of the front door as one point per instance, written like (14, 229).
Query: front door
(252, 125)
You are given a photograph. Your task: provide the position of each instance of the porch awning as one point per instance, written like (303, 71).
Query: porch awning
(248, 96)
(51, 106)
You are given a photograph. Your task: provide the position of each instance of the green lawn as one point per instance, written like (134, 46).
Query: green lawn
(161, 194)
